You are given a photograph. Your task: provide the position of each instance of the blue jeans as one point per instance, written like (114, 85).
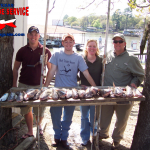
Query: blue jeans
(86, 125)
(61, 128)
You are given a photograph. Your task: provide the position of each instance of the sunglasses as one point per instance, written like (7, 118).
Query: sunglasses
(120, 41)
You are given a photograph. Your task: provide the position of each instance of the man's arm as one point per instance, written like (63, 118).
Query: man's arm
(88, 77)
(137, 72)
(48, 66)
(50, 74)
(15, 72)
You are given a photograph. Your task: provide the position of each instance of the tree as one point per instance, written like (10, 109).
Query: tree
(91, 18)
(141, 6)
(141, 138)
(123, 22)
(83, 22)
(116, 18)
(103, 20)
(96, 24)
(65, 17)
(127, 13)
(138, 4)
(103, 23)
(6, 76)
(140, 24)
(71, 19)
(134, 21)
(75, 23)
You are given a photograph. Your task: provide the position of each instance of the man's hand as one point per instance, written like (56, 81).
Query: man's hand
(133, 85)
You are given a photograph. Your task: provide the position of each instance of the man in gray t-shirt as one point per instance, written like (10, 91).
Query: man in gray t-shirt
(67, 68)
(65, 65)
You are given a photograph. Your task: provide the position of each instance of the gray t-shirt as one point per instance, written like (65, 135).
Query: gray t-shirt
(67, 68)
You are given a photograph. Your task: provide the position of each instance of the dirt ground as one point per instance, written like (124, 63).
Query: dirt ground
(74, 134)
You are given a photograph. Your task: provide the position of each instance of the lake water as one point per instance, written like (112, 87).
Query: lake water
(79, 38)
(96, 36)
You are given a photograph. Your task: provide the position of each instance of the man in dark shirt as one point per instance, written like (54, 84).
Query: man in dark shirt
(28, 56)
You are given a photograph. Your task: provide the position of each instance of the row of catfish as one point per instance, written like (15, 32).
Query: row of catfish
(64, 93)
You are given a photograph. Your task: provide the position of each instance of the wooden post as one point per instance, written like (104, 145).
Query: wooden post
(104, 58)
(42, 68)
(44, 45)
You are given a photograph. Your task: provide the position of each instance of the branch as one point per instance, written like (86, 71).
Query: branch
(113, 5)
(137, 5)
(99, 4)
(142, 6)
(144, 39)
(88, 5)
(52, 7)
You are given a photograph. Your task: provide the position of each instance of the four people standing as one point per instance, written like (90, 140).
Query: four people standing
(94, 63)
(121, 68)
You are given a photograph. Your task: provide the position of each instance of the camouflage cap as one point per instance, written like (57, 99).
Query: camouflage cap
(119, 35)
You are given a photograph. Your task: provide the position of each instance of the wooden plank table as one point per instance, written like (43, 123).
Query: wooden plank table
(71, 102)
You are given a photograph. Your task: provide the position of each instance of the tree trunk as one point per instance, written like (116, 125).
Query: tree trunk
(141, 138)
(6, 76)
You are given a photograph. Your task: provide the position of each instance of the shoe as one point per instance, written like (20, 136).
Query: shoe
(55, 143)
(65, 144)
(115, 144)
(41, 132)
(26, 136)
(103, 137)
(86, 143)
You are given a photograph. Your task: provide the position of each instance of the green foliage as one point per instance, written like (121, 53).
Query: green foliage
(83, 22)
(71, 19)
(127, 14)
(91, 18)
(117, 18)
(65, 17)
(118, 21)
(141, 6)
(139, 24)
(75, 23)
(96, 24)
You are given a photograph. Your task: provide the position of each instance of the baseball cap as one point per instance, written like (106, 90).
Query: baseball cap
(33, 28)
(119, 35)
(68, 35)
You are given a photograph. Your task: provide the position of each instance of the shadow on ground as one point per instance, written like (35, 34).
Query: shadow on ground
(104, 145)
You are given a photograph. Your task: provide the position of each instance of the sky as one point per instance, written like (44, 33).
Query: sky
(37, 9)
